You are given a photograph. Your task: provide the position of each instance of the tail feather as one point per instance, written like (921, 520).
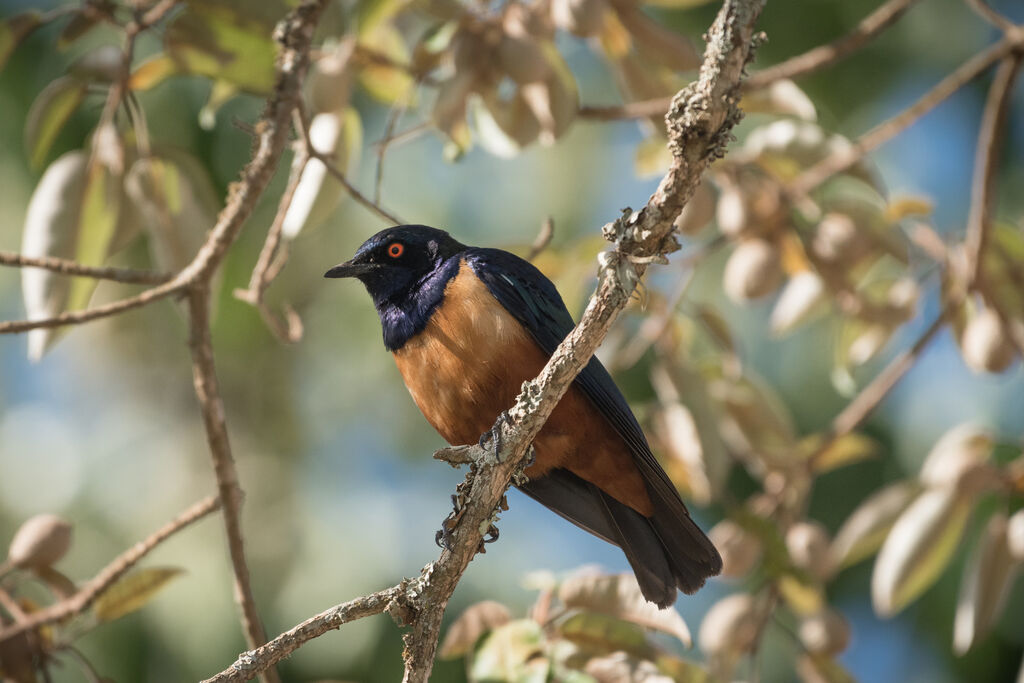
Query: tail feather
(666, 550)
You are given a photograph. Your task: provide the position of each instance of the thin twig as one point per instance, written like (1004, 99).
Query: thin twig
(543, 239)
(824, 56)
(290, 330)
(382, 147)
(68, 267)
(654, 326)
(81, 600)
(815, 59)
(332, 168)
(993, 17)
(107, 310)
(251, 663)
(885, 131)
(986, 163)
(857, 410)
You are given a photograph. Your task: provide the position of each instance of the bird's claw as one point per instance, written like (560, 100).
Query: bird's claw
(443, 536)
(493, 435)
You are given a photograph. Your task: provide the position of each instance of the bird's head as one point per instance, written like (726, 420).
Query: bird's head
(394, 262)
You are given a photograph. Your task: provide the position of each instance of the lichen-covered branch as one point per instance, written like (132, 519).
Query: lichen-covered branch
(700, 122)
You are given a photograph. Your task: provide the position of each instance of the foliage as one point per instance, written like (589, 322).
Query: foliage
(802, 219)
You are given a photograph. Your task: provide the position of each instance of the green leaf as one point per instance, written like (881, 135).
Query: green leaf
(49, 113)
(14, 30)
(845, 450)
(619, 596)
(224, 43)
(512, 653)
(603, 634)
(178, 204)
(864, 531)
(917, 549)
(385, 82)
(152, 72)
(132, 592)
(82, 22)
(373, 13)
(97, 225)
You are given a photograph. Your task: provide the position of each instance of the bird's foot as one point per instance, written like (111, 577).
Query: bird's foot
(519, 477)
(493, 435)
(443, 537)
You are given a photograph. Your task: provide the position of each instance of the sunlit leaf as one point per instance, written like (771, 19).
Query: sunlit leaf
(474, 622)
(225, 43)
(372, 13)
(504, 127)
(802, 297)
(917, 549)
(513, 652)
(903, 206)
(619, 595)
(985, 586)
(153, 72)
(780, 97)
(389, 83)
(839, 452)
(98, 222)
(822, 669)
(865, 530)
(15, 29)
(51, 229)
(132, 592)
(49, 112)
(689, 431)
(340, 136)
(803, 597)
(958, 459)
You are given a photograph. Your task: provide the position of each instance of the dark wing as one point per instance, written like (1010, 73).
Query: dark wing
(533, 300)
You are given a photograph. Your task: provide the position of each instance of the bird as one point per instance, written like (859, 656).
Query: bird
(467, 326)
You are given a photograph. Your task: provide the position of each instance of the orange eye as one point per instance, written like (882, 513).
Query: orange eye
(395, 249)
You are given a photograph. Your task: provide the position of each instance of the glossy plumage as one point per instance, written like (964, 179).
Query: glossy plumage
(467, 326)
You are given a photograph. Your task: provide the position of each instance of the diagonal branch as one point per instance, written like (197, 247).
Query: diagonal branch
(824, 56)
(251, 663)
(700, 123)
(885, 131)
(80, 601)
(815, 59)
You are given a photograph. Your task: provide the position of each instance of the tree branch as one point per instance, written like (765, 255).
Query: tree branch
(333, 169)
(80, 601)
(824, 56)
(289, 331)
(986, 162)
(885, 131)
(68, 267)
(700, 123)
(250, 663)
(815, 59)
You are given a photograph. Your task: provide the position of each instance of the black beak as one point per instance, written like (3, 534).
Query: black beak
(349, 269)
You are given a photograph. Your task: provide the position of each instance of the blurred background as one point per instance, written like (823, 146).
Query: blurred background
(342, 496)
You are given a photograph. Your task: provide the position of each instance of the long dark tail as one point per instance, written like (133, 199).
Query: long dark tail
(666, 550)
